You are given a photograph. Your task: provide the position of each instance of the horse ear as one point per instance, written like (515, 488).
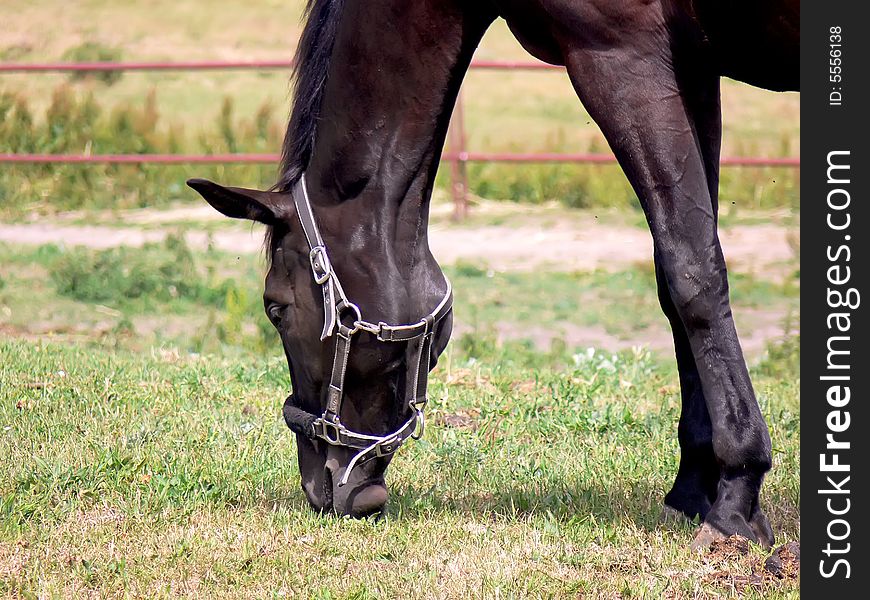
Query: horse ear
(241, 203)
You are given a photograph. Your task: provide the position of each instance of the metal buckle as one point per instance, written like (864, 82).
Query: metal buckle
(329, 426)
(321, 268)
(371, 328)
(388, 446)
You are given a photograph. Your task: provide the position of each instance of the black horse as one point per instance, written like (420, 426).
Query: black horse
(375, 85)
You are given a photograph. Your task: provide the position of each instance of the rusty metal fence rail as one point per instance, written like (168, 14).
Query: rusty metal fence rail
(457, 155)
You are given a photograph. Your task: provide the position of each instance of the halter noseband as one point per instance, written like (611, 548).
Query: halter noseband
(328, 426)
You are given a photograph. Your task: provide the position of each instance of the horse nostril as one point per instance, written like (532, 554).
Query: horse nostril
(318, 492)
(327, 488)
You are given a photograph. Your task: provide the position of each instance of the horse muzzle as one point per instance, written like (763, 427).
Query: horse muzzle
(362, 494)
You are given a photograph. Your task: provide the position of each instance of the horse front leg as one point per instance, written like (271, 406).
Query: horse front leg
(694, 489)
(647, 97)
(695, 486)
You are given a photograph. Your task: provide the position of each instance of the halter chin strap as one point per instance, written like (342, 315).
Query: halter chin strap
(328, 427)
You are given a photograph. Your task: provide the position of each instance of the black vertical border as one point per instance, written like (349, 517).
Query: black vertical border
(826, 128)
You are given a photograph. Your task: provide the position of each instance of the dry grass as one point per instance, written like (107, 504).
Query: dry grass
(504, 110)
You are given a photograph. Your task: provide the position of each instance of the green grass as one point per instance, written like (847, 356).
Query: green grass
(623, 303)
(169, 295)
(159, 295)
(140, 430)
(135, 467)
(534, 110)
(159, 475)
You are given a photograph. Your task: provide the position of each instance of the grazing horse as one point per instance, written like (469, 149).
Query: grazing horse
(364, 321)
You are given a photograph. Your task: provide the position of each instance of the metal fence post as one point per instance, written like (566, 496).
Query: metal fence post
(458, 159)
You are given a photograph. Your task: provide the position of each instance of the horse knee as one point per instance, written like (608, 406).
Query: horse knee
(746, 448)
(699, 292)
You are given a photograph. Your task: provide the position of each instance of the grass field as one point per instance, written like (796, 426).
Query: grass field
(167, 294)
(146, 456)
(159, 474)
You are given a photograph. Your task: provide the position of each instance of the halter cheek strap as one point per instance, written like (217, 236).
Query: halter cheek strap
(418, 336)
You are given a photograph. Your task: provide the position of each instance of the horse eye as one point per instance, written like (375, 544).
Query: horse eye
(274, 314)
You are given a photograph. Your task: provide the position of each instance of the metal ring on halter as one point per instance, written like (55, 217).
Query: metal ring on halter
(320, 265)
(420, 425)
(345, 305)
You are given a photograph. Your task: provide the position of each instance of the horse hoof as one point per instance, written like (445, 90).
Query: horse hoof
(672, 516)
(706, 535)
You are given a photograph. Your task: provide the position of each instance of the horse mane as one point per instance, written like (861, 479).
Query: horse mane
(309, 78)
(311, 64)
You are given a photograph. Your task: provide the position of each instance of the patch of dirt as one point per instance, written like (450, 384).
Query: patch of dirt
(148, 216)
(785, 562)
(566, 245)
(461, 419)
(169, 326)
(734, 566)
(524, 387)
(756, 328)
(40, 333)
(760, 249)
(469, 379)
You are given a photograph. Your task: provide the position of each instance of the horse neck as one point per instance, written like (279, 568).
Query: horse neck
(392, 82)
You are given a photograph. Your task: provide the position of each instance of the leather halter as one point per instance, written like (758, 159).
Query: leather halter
(328, 426)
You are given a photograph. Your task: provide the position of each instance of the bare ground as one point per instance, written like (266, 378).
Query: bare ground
(567, 244)
(756, 328)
